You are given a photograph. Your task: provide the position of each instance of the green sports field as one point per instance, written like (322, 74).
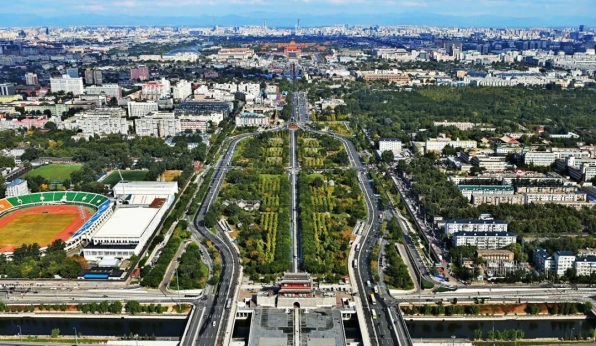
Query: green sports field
(54, 172)
(114, 177)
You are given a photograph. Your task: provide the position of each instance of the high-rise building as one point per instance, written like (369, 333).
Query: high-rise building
(7, 89)
(93, 77)
(89, 78)
(139, 73)
(582, 28)
(98, 76)
(72, 72)
(67, 84)
(31, 79)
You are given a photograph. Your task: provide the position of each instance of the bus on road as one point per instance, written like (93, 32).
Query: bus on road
(374, 313)
(373, 301)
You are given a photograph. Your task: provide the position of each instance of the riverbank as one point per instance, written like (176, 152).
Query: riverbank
(500, 318)
(94, 316)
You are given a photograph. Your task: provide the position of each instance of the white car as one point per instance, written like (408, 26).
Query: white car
(214, 323)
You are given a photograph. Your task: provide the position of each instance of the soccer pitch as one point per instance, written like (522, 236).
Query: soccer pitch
(54, 172)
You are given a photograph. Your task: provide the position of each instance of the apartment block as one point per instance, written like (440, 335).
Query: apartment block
(454, 226)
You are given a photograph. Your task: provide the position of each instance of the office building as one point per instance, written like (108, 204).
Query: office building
(98, 121)
(585, 266)
(140, 73)
(182, 90)
(156, 90)
(31, 79)
(476, 190)
(139, 109)
(539, 158)
(453, 226)
(17, 187)
(67, 84)
(390, 144)
(564, 260)
(158, 124)
(7, 89)
(484, 240)
(438, 144)
(111, 90)
(543, 260)
(203, 108)
(464, 126)
(252, 120)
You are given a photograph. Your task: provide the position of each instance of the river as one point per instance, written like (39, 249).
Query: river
(161, 327)
(465, 329)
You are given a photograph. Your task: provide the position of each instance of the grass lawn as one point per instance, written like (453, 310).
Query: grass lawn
(114, 177)
(170, 175)
(26, 228)
(54, 172)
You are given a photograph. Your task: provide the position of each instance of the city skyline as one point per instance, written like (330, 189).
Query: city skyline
(328, 12)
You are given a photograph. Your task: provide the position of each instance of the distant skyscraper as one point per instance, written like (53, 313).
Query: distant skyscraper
(582, 28)
(31, 79)
(264, 25)
(72, 72)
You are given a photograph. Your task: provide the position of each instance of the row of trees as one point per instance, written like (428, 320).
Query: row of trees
(264, 233)
(397, 274)
(28, 263)
(192, 273)
(325, 237)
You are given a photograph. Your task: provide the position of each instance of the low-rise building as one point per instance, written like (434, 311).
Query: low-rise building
(585, 266)
(454, 226)
(563, 260)
(17, 187)
(543, 260)
(539, 158)
(475, 190)
(390, 144)
(140, 109)
(484, 240)
(252, 120)
(157, 124)
(499, 256)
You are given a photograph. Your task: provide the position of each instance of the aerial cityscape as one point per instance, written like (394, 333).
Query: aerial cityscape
(340, 172)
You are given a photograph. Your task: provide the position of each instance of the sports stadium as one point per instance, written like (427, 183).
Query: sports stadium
(45, 217)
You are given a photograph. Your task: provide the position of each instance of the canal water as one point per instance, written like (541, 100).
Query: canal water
(93, 326)
(465, 329)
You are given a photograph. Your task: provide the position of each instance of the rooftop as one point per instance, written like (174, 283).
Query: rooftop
(488, 222)
(127, 222)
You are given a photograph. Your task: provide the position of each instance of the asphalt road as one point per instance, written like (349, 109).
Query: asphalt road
(210, 330)
(381, 329)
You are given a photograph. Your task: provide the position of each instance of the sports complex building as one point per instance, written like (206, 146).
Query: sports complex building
(103, 228)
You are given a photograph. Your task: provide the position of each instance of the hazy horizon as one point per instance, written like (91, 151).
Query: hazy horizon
(464, 13)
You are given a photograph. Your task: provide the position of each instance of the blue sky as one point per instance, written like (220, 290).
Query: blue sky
(511, 9)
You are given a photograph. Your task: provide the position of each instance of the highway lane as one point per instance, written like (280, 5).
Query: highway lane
(211, 328)
(381, 329)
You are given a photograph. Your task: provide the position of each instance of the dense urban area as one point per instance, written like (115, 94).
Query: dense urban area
(253, 185)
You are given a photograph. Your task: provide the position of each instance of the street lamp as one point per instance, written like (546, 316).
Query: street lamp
(20, 332)
(76, 337)
(453, 340)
